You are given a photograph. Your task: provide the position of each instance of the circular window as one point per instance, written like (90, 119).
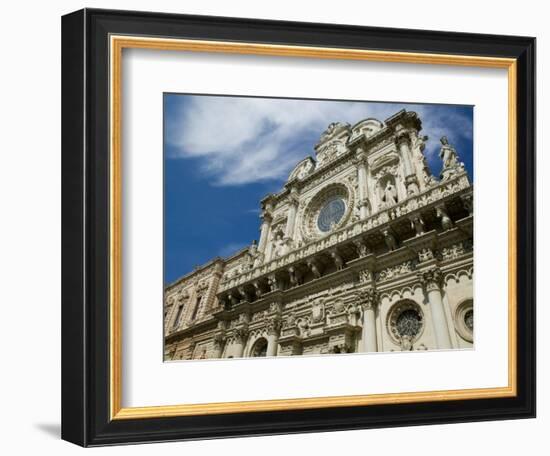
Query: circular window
(327, 211)
(408, 323)
(330, 214)
(469, 319)
(464, 320)
(405, 320)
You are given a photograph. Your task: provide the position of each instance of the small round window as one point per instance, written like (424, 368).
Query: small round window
(469, 319)
(408, 323)
(330, 214)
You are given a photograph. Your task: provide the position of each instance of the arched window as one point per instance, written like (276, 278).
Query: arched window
(259, 349)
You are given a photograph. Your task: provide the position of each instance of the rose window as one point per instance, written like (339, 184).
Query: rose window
(408, 323)
(330, 214)
(469, 319)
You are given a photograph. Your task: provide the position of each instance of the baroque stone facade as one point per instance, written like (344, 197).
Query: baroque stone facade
(362, 250)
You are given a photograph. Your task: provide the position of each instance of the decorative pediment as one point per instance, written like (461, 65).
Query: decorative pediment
(330, 151)
(302, 169)
(335, 129)
(367, 127)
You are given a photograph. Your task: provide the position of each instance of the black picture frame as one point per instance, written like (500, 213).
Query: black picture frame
(85, 225)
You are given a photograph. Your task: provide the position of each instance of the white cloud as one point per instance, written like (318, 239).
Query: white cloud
(245, 140)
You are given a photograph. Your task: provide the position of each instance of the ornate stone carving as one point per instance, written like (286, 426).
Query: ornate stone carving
(219, 339)
(425, 255)
(389, 239)
(319, 210)
(395, 271)
(431, 279)
(314, 268)
(389, 194)
(446, 222)
(293, 276)
(273, 325)
(241, 334)
(333, 129)
(417, 223)
(368, 298)
(273, 282)
(405, 323)
(318, 312)
(338, 260)
(451, 164)
(290, 321)
(452, 252)
(468, 201)
(365, 275)
(361, 247)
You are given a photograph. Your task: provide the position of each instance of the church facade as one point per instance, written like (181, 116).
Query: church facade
(362, 250)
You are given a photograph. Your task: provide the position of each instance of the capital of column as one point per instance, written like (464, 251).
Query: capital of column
(402, 137)
(293, 200)
(363, 203)
(219, 339)
(360, 157)
(274, 325)
(368, 299)
(266, 217)
(431, 279)
(241, 334)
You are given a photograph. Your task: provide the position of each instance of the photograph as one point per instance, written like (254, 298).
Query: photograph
(316, 226)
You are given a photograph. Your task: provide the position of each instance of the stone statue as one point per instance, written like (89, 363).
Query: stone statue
(253, 249)
(406, 343)
(389, 195)
(252, 254)
(451, 164)
(448, 154)
(278, 245)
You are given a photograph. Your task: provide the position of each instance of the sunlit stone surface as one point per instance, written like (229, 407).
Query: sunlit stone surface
(362, 250)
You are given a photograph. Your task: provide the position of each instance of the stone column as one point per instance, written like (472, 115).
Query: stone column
(266, 225)
(219, 341)
(273, 329)
(241, 334)
(431, 280)
(361, 164)
(369, 301)
(291, 217)
(402, 141)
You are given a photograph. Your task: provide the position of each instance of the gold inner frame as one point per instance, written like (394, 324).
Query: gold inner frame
(117, 44)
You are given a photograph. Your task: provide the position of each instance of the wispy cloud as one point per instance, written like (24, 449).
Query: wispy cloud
(246, 140)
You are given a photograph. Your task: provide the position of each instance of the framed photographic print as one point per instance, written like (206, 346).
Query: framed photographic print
(275, 227)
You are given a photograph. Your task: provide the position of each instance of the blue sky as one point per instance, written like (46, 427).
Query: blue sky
(223, 154)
